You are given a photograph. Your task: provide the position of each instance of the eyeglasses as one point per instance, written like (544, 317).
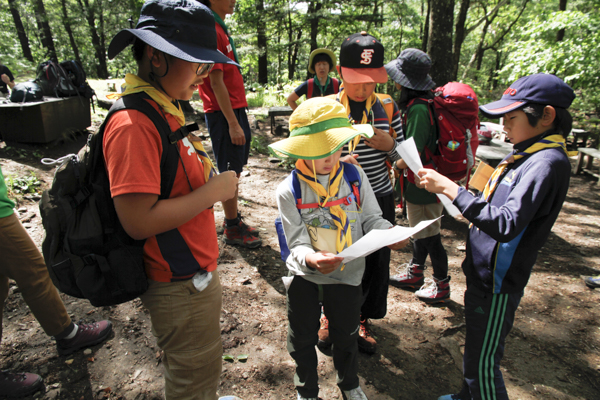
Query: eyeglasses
(204, 68)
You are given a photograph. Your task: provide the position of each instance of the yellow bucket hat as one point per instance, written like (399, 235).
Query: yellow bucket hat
(316, 52)
(318, 128)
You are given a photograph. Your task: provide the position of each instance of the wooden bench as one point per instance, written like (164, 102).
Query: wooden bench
(494, 152)
(278, 112)
(590, 154)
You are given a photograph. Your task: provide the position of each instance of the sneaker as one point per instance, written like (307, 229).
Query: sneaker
(449, 397)
(240, 235)
(87, 335)
(249, 229)
(434, 291)
(15, 385)
(366, 342)
(300, 397)
(324, 342)
(354, 394)
(593, 281)
(411, 277)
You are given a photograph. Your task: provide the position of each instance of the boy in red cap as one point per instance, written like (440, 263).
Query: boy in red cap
(510, 221)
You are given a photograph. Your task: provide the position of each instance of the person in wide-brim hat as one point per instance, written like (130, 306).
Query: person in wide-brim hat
(321, 62)
(411, 70)
(318, 128)
(321, 55)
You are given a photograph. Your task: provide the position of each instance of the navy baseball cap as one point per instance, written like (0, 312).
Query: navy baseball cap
(182, 28)
(543, 89)
(361, 59)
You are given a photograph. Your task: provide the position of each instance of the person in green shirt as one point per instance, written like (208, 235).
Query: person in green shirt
(21, 261)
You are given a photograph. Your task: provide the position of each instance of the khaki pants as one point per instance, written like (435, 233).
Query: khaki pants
(423, 212)
(186, 325)
(21, 260)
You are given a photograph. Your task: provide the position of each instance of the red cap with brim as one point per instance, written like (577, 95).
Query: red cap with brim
(364, 75)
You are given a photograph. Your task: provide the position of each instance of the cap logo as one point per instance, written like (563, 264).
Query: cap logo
(367, 56)
(510, 91)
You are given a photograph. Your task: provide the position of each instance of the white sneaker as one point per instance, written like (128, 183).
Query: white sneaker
(354, 394)
(300, 397)
(229, 398)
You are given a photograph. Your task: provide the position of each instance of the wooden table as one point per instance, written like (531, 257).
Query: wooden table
(493, 153)
(44, 121)
(590, 153)
(278, 112)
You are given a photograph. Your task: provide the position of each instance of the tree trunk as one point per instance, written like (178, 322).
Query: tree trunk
(425, 33)
(263, 73)
(294, 59)
(101, 68)
(67, 24)
(560, 35)
(42, 21)
(20, 30)
(439, 45)
(460, 34)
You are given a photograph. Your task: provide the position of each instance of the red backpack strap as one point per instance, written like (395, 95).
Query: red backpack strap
(311, 87)
(336, 85)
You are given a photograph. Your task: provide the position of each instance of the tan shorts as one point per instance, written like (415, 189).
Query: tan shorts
(423, 212)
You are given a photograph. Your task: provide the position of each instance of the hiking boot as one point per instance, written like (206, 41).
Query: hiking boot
(300, 397)
(240, 234)
(366, 342)
(434, 290)
(248, 228)
(354, 394)
(87, 335)
(15, 385)
(324, 342)
(410, 278)
(593, 281)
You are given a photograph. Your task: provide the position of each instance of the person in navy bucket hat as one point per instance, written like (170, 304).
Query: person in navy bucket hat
(511, 220)
(411, 70)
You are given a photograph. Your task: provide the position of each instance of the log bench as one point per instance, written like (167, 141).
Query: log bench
(589, 154)
(278, 112)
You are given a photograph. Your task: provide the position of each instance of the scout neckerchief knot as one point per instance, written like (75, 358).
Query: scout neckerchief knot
(134, 84)
(340, 219)
(220, 21)
(544, 143)
(365, 118)
(322, 88)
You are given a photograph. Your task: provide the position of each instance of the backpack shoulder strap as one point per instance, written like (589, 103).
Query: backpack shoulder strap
(352, 177)
(311, 88)
(336, 85)
(388, 105)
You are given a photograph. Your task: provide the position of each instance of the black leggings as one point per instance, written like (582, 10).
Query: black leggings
(433, 247)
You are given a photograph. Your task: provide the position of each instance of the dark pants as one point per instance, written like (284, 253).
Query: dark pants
(433, 247)
(489, 319)
(230, 157)
(377, 270)
(341, 304)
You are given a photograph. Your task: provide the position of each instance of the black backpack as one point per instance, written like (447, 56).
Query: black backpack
(87, 251)
(25, 92)
(78, 78)
(54, 80)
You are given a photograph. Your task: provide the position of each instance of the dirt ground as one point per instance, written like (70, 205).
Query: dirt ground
(553, 352)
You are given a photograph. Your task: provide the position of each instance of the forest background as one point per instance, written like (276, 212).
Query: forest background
(485, 43)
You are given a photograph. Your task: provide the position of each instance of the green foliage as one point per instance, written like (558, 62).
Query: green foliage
(259, 144)
(23, 185)
(269, 95)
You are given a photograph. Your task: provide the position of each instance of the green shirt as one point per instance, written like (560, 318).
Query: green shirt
(6, 205)
(418, 126)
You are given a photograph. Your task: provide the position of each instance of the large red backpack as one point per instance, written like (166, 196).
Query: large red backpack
(311, 87)
(455, 109)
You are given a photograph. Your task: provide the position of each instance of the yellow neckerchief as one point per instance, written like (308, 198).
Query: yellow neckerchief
(544, 143)
(343, 98)
(135, 84)
(344, 234)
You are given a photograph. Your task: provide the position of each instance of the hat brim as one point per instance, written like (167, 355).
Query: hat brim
(319, 145)
(401, 79)
(364, 75)
(183, 51)
(500, 107)
(322, 51)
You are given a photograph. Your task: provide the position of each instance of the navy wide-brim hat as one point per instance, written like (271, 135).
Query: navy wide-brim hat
(542, 89)
(411, 70)
(182, 28)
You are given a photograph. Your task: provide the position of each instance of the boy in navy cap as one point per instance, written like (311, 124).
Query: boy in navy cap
(510, 221)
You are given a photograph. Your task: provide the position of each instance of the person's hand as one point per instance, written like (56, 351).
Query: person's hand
(350, 159)
(5, 78)
(399, 245)
(237, 134)
(323, 261)
(225, 184)
(381, 140)
(434, 182)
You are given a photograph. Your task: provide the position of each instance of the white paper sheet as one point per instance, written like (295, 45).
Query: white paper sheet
(378, 238)
(409, 153)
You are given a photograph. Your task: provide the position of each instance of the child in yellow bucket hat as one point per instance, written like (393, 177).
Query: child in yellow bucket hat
(322, 213)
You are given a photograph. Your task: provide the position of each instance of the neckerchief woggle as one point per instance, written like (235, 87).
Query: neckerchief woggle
(547, 142)
(135, 84)
(322, 88)
(340, 219)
